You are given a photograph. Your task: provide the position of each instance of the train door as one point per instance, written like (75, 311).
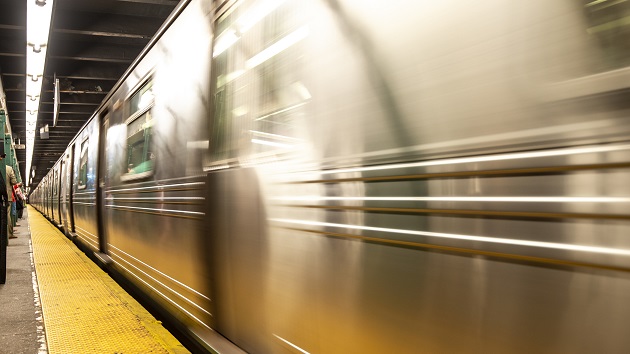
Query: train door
(70, 184)
(58, 197)
(53, 193)
(62, 192)
(101, 180)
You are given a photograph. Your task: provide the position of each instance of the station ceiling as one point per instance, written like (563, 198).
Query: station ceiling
(91, 44)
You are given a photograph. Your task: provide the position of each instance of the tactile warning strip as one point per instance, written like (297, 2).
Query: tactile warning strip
(84, 310)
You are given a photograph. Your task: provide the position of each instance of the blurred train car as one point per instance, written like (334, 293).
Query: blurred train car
(345, 176)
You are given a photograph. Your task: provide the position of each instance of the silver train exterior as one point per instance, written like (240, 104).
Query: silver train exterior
(291, 176)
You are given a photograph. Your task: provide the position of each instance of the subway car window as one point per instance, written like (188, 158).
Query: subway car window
(607, 23)
(83, 165)
(142, 99)
(261, 96)
(140, 157)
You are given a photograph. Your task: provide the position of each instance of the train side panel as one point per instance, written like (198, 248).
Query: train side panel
(392, 175)
(84, 185)
(154, 188)
(66, 190)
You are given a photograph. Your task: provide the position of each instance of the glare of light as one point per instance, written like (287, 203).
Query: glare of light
(507, 241)
(272, 143)
(275, 136)
(240, 111)
(256, 13)
(32, 106)
(224, 41)
(38, 23)
(146, 99)
(462, 199)
(281, 111)
(302, 90)
(278, 47)
(500, 157)
(226, 79)
(596, 2)
(291, 344)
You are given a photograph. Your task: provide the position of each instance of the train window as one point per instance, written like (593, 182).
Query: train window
(260, 100)
(608, 26)
(83, 165)
(142, 99)
(140, 157)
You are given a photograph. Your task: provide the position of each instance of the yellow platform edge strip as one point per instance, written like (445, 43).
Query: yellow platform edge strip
(84, 310)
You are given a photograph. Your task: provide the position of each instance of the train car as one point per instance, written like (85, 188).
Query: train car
(362, 177)
(84, 184)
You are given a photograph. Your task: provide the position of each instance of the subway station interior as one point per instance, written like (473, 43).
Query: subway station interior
(314, 177)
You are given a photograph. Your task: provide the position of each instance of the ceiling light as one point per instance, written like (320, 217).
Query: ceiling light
(38, 19)
(37, 48)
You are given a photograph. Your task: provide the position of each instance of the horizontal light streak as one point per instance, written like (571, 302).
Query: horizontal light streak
(506, 241)
(84, 231)
(500, 157)
(163, 296)
(156, 187)
(164, 285)
(462, 199)
(155, 198)
(155, 209)
(88, 241)
(163, 274)
(281, 111)
(275, 136)
(88, 204)
(278, 47)
(272, 143)
(291, 344)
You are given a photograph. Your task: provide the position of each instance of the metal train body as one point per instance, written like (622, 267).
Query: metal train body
(365, 176)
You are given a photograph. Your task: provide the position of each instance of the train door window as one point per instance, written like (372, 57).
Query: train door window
(260, 99)
(83, 165)
(607, 23)
(140, 158)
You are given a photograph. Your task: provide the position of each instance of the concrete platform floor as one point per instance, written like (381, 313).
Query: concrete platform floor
(21, 323)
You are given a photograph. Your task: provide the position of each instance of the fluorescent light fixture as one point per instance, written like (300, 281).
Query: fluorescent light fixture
(278, 47)
(56, 103)
(38, 19)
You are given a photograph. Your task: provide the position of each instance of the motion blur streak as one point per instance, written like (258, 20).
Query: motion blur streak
(352, 176)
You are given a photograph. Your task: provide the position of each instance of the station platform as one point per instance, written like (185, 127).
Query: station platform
(56, 300)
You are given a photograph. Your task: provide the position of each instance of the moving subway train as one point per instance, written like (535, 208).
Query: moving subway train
(349, 176)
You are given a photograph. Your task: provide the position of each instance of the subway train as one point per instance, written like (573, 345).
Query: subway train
(350, 176)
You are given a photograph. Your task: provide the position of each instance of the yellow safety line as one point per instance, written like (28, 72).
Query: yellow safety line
(84, 310)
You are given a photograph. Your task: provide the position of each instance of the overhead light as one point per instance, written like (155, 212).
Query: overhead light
(37, 48)
(34, 77)
(38, 19)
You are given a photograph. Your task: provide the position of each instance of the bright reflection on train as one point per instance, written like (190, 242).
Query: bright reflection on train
(348, 176)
